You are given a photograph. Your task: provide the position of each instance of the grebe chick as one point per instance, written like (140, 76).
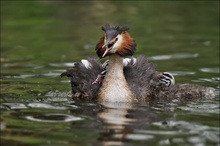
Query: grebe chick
(166, 79)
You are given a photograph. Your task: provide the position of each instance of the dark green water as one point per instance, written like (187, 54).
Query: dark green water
(41, 39)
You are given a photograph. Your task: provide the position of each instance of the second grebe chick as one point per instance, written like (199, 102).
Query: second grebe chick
(166, 79)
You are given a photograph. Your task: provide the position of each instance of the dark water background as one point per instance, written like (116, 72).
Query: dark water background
(40, 39)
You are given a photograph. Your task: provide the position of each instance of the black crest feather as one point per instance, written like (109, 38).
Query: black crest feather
(120, 29)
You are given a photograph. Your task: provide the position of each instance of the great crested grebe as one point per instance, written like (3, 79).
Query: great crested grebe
(125, 80)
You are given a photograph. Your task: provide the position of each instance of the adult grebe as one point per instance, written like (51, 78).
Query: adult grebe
(135, 80)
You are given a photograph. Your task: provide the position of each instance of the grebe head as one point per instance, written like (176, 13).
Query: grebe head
(116, 40)
(167, 79)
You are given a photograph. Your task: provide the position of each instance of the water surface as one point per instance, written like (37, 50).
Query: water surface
(40, 39)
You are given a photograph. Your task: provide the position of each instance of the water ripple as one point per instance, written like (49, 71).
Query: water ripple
(174, 56)
(44, 105)
(184, 128)
(15, 105)
(182, 73)
(212, 80)
(67, 64)
(159, 132)
(51, 74)
(53, 118)
(21, 76)
(201, 108)
(138, 137)
(192, 128)
(210, 70)
(57, 93)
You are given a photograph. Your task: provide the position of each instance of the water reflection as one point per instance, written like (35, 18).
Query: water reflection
(115, 113)
(120, 120)
(126, 122)
(122, 123)
(115, 116)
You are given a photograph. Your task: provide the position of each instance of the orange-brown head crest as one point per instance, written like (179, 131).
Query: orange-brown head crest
(115, 40)
(128, 46)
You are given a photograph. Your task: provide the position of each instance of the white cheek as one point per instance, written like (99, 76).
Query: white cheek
(117, 44)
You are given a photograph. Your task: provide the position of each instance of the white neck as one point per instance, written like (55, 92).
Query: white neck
(114, 87)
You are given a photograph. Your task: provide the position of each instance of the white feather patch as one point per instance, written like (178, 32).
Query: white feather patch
(86, 63)
(127, 60)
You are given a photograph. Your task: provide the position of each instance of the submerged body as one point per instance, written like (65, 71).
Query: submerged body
(135, 80)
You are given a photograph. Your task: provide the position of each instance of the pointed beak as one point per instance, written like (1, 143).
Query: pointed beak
(106, 51)
(108, 47)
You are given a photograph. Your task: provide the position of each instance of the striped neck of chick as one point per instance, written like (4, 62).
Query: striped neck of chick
(166, 79)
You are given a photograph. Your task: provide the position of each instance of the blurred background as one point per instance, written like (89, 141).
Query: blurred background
(42, 31)
(39, 32)
(41, 39)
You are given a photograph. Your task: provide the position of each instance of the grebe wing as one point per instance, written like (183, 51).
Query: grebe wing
(140, 75)
(82, 74)
(86, 63)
